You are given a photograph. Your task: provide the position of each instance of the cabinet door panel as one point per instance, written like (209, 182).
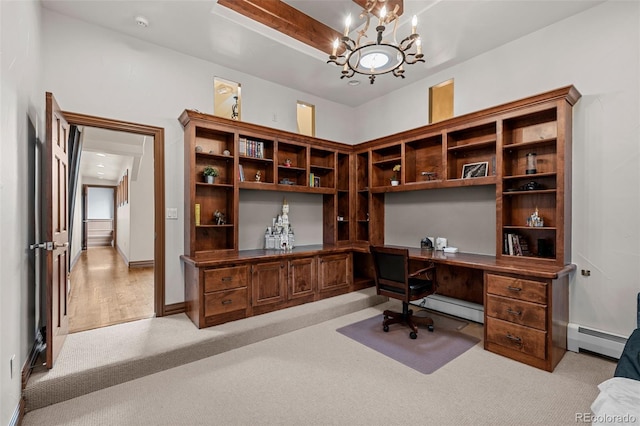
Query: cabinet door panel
(335, 271)
(302, 277)
(268, 283)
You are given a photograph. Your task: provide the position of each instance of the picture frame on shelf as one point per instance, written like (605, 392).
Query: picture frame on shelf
(474, 170)
(316, 181)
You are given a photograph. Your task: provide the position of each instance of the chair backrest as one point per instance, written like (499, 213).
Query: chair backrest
(392, 271)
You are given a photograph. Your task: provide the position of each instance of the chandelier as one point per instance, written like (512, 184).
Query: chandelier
(376, 56)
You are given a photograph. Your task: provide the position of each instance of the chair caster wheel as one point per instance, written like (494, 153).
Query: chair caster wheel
(413, 335)
(430, 328)
(385, 328)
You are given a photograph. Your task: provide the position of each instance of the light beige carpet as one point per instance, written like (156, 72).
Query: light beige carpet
(99, 358)
(317, 376)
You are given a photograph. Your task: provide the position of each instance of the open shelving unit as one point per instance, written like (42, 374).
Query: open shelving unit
(537, 131)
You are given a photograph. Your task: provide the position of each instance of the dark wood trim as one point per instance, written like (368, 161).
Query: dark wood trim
(175, 308)
(158, 164)
(281, 17)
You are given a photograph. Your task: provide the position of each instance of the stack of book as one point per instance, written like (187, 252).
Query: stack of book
(516, 245)
(250, 148)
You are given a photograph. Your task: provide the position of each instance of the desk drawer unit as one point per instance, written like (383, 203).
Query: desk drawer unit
(517, 311)
(222, 302)
(225, 278)
(519, 338)
(520, 321)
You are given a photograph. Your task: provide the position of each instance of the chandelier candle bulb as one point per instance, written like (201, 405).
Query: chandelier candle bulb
(414, 24)
(419, 46)
(383, 13)
(335, 47)
(347, 24)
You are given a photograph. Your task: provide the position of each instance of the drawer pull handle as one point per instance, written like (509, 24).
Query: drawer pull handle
(514, 339)
(227, 302)
(512, 312)
(226, 279)
(514, 288)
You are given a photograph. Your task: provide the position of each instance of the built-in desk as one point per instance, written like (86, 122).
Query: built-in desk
(526, 307)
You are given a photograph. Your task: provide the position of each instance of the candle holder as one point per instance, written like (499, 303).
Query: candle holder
(532, 159)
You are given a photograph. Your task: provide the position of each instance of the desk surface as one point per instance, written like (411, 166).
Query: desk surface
(489, 263)
(466, 260)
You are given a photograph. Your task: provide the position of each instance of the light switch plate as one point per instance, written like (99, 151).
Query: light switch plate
(172, 213)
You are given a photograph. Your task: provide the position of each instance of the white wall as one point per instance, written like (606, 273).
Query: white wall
(21, 102)
(257, 208)
(602, 61)
(141, 200)
(465, 216)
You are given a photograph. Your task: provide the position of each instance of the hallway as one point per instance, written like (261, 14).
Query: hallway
(104, 291)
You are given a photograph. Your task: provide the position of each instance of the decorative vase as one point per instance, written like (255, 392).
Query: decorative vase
(210, 179)
(395, 182)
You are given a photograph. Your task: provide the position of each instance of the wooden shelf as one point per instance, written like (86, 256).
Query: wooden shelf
(530, 144)
(533, 191)
(491, 142)
(531, 177)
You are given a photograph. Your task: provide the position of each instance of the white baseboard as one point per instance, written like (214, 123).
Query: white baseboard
(451, 306)
(593, 340)
(15, 419)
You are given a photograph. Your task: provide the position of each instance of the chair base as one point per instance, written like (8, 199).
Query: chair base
(406, 317)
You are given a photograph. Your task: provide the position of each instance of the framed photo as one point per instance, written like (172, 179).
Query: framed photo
(316, 182)
(474, 170)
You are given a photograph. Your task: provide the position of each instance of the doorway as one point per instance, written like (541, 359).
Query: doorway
(110, 258)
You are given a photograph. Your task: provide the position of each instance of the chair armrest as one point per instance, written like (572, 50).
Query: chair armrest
(423, 270)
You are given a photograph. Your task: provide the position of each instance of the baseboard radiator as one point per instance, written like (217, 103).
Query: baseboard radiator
(451, 306)
(597, 341)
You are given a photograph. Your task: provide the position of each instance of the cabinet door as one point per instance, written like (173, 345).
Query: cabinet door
(335, 272)
(268, 283)
(302, 277)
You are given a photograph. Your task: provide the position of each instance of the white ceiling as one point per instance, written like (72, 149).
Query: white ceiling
(106, 154)
(452, 31)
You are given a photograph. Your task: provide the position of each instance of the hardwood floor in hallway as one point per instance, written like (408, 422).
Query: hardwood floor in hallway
(104, 291)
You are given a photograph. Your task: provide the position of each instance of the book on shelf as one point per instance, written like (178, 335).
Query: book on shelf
(240, 173)
(242, 146)
(311, 179)
(197, 214)
(515, 245)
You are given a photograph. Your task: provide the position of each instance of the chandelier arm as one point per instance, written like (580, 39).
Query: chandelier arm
(409, 41)
(395, 30)
(418, 58)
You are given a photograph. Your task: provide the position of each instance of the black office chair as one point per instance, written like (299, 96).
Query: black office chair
(393, 280)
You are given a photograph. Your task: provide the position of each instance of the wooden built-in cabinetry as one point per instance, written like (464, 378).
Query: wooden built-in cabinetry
(234, 287)
(353, 181)
(526, 318)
